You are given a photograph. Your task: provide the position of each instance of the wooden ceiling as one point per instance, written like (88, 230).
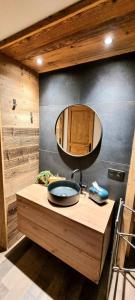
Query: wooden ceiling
(75, 35)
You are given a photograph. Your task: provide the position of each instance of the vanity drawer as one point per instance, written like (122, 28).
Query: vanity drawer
(67, 252)
(79, 235)
(81, 247)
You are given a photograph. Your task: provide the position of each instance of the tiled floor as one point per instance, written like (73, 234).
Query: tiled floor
(28, 272)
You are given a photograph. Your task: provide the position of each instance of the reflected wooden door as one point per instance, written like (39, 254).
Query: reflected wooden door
(80, 130)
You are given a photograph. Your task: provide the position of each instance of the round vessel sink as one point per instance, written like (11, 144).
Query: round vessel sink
(63, 192)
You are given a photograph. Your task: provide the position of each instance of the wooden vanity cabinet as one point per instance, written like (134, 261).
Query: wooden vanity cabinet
(79, 235)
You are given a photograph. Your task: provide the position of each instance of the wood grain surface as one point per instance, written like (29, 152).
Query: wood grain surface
(3, 215)
(20, 134)
(75, 35)
(128, 216)
(74, 234)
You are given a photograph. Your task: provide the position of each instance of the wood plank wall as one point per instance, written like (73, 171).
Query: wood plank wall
(3, 215)
(20, 134)
(128, 217)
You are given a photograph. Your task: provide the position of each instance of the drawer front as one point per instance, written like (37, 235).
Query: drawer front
(82, 237)
(73, 256)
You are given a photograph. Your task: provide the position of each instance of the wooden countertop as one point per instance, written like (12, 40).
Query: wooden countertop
(85, 212)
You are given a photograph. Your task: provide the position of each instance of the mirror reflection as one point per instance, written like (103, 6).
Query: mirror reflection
(78, 130)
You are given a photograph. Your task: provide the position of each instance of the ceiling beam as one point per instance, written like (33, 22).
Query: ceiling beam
(76, 35)
(48, 22)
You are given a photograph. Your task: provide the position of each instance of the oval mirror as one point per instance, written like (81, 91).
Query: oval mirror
(78, 130)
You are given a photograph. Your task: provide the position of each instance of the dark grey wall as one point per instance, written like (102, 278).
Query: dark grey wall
(108, 86)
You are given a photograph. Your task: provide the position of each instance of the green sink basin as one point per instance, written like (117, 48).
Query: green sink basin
(63, 192)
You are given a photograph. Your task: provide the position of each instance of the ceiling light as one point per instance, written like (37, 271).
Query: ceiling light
(39, 61)
(108, 40)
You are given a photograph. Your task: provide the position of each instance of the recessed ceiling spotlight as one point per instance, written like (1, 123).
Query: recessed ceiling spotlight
(39, 61)
(108, 40)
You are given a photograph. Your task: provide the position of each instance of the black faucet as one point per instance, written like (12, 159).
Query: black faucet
(82, 186)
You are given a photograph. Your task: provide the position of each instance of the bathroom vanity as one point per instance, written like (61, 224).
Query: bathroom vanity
(79, 235)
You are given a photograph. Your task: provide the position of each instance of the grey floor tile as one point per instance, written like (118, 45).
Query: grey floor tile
(5, 267)
(3, 291)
